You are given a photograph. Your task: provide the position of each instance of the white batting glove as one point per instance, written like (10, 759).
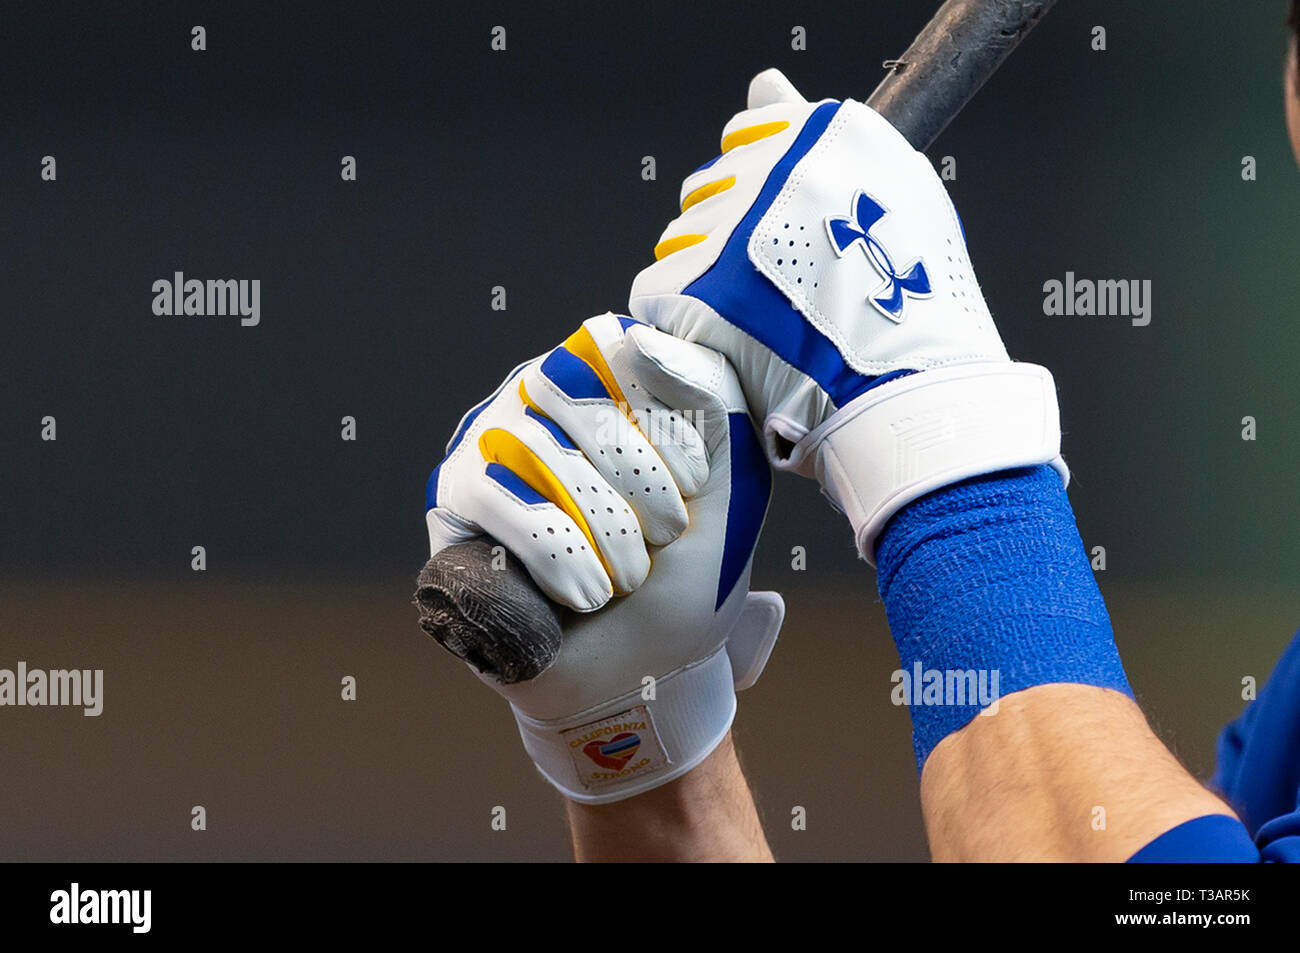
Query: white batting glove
(558, 467)
(821, 255)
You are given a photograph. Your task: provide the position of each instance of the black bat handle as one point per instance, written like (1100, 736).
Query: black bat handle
(947, 63)
(480, 604)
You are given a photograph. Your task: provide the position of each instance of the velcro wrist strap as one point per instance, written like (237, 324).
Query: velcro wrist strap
(927, 430)
(630, 745)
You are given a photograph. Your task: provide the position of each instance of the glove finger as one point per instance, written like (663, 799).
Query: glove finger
(772, 126)
(675, 439)
(772, 86)
(669, 429)
(446, 528)
(564, 477)
(576, 391)
(713, 197)
(774, 115)
(544, 538)
(768, 88)
(687, 375)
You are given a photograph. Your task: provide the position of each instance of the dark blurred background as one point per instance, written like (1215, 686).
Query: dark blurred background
(523, 169)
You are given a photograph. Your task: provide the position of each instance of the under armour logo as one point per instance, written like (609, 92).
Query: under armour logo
(844, 231)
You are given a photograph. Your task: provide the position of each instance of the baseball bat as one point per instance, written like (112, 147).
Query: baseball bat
(483, 606)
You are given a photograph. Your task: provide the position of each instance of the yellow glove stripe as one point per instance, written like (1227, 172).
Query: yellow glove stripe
(528, 402)
(675, 244)
(743, 137)
(583, 345)
(708, 191)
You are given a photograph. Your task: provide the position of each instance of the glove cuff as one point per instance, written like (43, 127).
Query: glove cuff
(927, 430)
(632, 744)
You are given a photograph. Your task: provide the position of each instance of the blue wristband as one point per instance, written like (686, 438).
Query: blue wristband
(987, 587)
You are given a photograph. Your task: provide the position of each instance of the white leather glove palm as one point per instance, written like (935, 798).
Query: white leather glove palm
(821, 255)
(553, 466)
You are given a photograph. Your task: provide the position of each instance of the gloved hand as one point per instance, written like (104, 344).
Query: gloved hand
(821, 256)
(621, 446)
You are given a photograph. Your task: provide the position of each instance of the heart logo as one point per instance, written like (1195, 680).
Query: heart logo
(614, 753)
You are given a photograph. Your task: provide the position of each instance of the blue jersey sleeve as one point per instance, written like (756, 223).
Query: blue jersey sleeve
(1259, 753)
(1259, 762)
(1214, 838)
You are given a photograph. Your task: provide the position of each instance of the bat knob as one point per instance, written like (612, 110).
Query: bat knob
(483, 607)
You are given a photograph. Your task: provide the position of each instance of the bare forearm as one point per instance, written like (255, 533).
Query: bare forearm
(708, 814)
(1061, 772)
